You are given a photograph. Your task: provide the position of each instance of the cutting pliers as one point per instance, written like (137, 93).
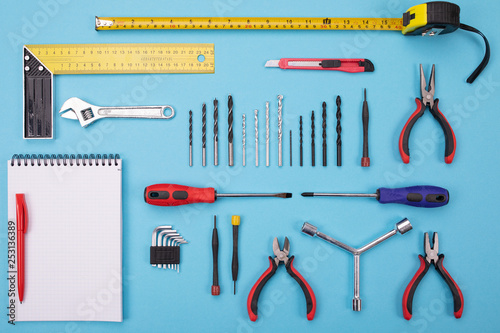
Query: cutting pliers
(432, 256)
(427, 99)
(280, 256)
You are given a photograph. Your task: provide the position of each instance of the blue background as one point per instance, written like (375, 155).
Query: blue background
(157, 151)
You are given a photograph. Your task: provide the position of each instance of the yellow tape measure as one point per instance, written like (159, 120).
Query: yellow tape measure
(125, 58)
(247, 23)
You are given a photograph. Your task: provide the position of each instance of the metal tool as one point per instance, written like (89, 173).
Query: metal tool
(291, 159)
(76, 109)
(280, 130)
(323, 125)
(417, 196)
(204, 135)
(216, 132)
(244, 153)
(313, 144)
(190, 138)
(176, 195)
(339, 132)
(230, 130)
(42, 62)
(235, 221)
(427, 100)
(428, 19)
(432, 256)
(365, 160)
(343, 65)
(281, 256)
(402, 227)
(215, 254)
(301, 141)
(256, 137)
(267, 133)
(165, 251)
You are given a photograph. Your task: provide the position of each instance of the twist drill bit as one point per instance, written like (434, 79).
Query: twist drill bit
(339, 131)
(324, 133)
(267, 133)
(301, 141)
(204, 134)
(256, 137)
(190, 138)
(230, 130)
(290, 147)
(244, 139)
(313, 145)
(216, 132)
(280, 130)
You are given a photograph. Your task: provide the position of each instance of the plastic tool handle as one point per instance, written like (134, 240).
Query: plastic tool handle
(404, 137)
(449, 135)
(365, 160)
(343, 65)
(215, 251)
(417, 196)
(306, 288)
(234, 263)
(412, 286)
(458, 298)
(176, 195)
(253, 297)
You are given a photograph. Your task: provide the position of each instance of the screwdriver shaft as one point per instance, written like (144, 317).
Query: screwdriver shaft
(359, 195)
(253, 195)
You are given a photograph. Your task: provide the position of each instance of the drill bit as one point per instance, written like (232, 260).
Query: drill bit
(313, 145)
(301, 141)
(280, 130)
(339, 131)
(190, 138)
(365, 160)
(324, 133)
(256, 137)
(230, 130)
(290, 147)
(244, 139)
(267, 133)
(204, 134)
(216, 132)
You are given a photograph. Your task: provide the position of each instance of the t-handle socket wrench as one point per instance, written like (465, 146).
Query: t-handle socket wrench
(402, 227)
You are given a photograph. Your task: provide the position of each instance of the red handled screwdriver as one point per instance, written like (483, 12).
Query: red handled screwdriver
(176, 195)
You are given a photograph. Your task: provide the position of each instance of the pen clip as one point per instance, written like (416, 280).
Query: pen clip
(21, 213)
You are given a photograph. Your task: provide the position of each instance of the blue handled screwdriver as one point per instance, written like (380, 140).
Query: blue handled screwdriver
(417, 196)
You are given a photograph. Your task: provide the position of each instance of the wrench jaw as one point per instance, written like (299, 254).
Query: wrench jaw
(76, 109)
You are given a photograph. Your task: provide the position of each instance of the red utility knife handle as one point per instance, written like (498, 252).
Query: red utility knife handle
(176, 195)
(306, 288)
(253, 297)
(450, 140)
(346, 65)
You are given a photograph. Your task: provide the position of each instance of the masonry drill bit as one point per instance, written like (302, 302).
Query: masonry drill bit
(290, 147)
(313, 145)
(230, 130)
(244, 139)
(339, 131)
(280, 130)
(323, 125)
(301, 141)
(216, 132)
(267, 133)
(204, 134)
(190, 138)
(256, 137)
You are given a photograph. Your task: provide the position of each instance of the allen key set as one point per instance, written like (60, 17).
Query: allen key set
(165, 248)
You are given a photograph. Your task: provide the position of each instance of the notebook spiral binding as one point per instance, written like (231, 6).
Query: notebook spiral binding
(65, 160)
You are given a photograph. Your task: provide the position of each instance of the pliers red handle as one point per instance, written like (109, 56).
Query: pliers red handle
(432, 256)
(422, 103)
(281, 256)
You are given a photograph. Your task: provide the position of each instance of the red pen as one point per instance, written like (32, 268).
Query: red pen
(22, 226)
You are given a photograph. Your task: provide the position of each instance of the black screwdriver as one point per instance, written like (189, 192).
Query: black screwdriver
(235, 221)
(365, 160)
(215, 251)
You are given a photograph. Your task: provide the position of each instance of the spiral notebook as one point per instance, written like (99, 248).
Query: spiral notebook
(73, 242)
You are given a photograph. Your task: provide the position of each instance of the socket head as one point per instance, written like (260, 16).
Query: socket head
(356, 304)
(403, 226)
(309, 229)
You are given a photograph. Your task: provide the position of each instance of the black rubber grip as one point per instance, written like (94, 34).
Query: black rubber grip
(412, 286)
(253, 298)
(449, 136)
(458, 302)
(215, 253)
(405, 135)
(164, 255)
(331, 63)
(234, 263)
(306, 289)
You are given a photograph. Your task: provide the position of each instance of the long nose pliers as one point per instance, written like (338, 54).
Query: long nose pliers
(432, 256)
(427, 99)
(280, 256)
